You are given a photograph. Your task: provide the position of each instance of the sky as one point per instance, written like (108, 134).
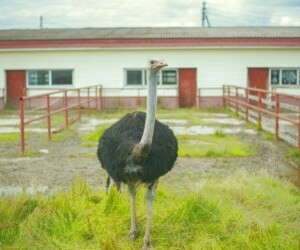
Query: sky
(146, 13)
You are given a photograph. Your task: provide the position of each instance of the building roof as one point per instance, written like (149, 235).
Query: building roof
(149, 33)
(171, 37)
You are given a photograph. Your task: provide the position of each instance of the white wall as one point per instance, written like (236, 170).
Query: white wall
(214, 66)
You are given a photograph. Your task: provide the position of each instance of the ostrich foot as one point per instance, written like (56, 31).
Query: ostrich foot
(133, 234)
(147, 245)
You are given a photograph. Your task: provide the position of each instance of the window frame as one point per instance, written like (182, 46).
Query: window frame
(280, 85)
(161, 78)
(50, 79)
(144, 75)
(145, 78)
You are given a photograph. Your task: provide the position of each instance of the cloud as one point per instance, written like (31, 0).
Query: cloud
(102, 13)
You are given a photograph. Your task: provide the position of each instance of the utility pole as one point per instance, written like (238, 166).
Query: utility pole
(204, 15)
(41, 22)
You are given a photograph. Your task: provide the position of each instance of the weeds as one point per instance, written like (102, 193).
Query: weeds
(94, 136)
(9, 137)
(217, 145)
(238, 212)
(294, 154)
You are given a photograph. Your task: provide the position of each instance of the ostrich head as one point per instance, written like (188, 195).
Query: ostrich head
(154, 67)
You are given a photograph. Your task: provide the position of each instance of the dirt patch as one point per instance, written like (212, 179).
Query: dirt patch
(61, 162)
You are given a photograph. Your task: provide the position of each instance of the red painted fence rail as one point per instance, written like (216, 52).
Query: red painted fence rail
(259, 100)
(2, 98)
(82, 99)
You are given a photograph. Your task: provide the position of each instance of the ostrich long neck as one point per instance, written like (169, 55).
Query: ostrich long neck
(151, 110)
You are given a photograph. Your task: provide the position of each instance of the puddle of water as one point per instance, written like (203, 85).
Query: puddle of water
(193, 130)
(92, 123)
(10, 191)
(9, 122)
(14, 191)
(6, 130)
(174, 121)
(44, 151)
(207, 130)
(217, 115)
(96, 122)
(238, 130)
(227, 121)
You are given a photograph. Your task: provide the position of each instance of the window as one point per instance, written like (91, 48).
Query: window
(61, 77)
(169, 77)
(289, 77)
(274, 76)
(135, 77)
(49, 77)
(38, 77)
(285, 77)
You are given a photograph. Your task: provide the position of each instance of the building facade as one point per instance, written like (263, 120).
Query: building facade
(200, 61)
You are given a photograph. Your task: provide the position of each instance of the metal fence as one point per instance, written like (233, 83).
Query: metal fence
(276, 105)
(61, 101)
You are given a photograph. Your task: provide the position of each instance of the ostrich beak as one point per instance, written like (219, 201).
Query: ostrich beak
(157, 65)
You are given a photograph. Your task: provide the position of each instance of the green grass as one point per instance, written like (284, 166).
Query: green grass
(10, 137)
(268, 136)
(91, 139)
(238, 212)
(217, 145)
(294, 154)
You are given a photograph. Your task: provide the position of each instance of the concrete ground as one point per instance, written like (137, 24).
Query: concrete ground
(50, 166)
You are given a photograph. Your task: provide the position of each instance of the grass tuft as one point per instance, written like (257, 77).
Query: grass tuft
(241, 211)
(217, 145)
(294, 154)
(94, 136)
(10, 137)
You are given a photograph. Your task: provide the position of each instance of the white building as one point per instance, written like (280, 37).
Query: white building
(35, 61)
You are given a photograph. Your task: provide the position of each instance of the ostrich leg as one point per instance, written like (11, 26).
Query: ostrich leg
(133, 230)
(110, 183)
(150, 197)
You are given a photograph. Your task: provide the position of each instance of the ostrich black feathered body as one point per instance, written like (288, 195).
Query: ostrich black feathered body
(117, 142)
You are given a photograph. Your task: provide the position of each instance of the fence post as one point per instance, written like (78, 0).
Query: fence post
(100, 96)
(224, 103)
(96, 97)
(236, 101)
(299, 129)
(199, 98)
(88, 103)
(66, 110)
(229, 96)
(276, 116)
(79, 105)
(22, 132)
(48, 117)
(246, 105)
(259, 110)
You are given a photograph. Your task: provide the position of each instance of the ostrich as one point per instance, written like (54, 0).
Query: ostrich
(139, 149)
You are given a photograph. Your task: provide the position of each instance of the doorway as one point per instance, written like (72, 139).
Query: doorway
(15, 86)
(187, 87)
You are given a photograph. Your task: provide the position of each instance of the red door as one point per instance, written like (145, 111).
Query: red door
(16, 86)
(258, 78)
(187, 87)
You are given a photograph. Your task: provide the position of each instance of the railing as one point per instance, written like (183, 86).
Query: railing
(68, 98)
(133, 97)
(2, 98)
(263, 102)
